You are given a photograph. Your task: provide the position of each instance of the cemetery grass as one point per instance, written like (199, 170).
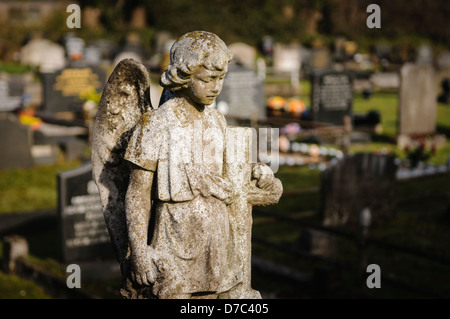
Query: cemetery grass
(31, 189)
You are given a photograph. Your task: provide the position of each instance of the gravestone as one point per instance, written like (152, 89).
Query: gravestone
(242, 96)
(15, 143)
(331, 96)
(43, 53)
(84, 235)
(424, 55)
(53, 60)
(286, 58)
(417, 99)
(354, 183)
(7, 101)
(62, 89)
(92, 55)
(75, 48)
(443, 60)
(244, 54)
(320, 59)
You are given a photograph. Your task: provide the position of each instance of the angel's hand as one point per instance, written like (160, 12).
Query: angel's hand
(220, 188)
(143, 269)
(264, 176)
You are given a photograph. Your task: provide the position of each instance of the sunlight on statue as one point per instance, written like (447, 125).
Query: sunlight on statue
(177, 184)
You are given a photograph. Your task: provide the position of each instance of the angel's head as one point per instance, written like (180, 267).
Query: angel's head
(199, 61)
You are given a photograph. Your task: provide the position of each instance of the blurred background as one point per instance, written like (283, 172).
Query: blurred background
(359, 96)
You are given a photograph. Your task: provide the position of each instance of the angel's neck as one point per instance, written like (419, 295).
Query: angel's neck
(189, 105)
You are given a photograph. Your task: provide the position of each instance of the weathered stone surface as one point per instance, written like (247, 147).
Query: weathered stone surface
(417, 99)
(177, 184)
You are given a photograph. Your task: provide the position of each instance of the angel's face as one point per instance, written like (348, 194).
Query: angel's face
(206, 85)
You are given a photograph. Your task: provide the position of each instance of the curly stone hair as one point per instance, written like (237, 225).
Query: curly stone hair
(191, 50)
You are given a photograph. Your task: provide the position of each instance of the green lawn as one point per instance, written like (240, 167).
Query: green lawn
(30, 189)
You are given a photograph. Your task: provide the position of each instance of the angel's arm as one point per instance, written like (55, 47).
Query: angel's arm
(138, 204)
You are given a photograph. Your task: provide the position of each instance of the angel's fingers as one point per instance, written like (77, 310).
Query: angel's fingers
(139, 279)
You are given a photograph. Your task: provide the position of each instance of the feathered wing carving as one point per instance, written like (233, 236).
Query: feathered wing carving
(125, 98)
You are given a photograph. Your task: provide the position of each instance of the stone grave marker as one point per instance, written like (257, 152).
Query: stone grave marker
(43, 53)
(417, 99)
(424, 55)
(358, 181)
(242, 96)
(244, 54)
(62, 88)
(443, 60)
(286, 58)
(7, 101)
(84, 235)
(331, 96)
(320, 59)
(15, 143)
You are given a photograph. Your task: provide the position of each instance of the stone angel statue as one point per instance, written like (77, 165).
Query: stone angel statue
(177, 184)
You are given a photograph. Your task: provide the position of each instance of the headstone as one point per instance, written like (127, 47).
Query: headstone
(417, 99)
(267, 46)
(15, 248)
(92, 55)
(15, 143)
(42, 53)
(331, 96)
(385, 80)
(244, 54)
(8, 102)
(75, 48)
(53, 60)
(424, 55)
(286, 58)
(443, 60)
(105, 47)
(319, 59)
(242, 95)
(62, 89)
(354, 183)
(84, 235)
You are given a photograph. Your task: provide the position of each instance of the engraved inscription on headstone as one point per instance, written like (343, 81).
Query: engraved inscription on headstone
(331, 96)
(62, 89)
(83, 229)
(242, 95)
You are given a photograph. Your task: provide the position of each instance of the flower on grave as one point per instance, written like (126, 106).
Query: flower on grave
(419, 152)
(294, 106)
(314, 150)
(291, 129)
(276, 103)
(284, 144)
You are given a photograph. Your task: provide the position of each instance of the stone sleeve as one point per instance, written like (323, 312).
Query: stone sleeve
(145, 142)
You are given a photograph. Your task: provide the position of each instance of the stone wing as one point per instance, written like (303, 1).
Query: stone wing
(125, 98)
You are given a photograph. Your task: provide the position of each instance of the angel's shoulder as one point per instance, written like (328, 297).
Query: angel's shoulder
(153, 117)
